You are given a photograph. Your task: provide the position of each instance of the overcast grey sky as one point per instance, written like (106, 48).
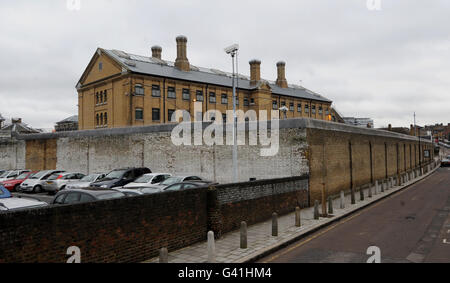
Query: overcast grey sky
(384, 64)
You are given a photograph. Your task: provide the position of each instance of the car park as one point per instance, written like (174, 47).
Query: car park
(12, 185)
(36, 182)
(185, 185)
(176, 179)
(10, 175)
(130, 192)
(120, 177)
(86, 181)
(148, 179)
(85, 195)
(59, 181)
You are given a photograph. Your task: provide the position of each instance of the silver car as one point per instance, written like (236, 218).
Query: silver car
(36, 182)
(12, 204)
(59, 181)
(10, 175)
(86, 181)
(173, 180)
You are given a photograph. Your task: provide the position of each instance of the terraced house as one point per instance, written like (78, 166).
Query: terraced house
(119, 89)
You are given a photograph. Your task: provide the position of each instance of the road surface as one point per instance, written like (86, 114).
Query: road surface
(412, 225)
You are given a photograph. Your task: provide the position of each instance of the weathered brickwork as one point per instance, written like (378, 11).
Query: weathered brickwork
(41, 154)
(340, 160)
(254, 202)
(122, 230)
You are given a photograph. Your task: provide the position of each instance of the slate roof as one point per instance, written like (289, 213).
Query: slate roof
(162, 68)
(71, 119)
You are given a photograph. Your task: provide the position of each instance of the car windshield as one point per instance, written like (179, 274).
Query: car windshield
(115, 174)
(143, 179)
(110, 196)
(22, 176)
(4, 174)
(171, 180)
(54, 176)
(89, 178)
(38, 175)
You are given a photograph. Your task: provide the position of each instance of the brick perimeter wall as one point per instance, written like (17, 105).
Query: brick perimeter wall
(122, 230)
(255, 202)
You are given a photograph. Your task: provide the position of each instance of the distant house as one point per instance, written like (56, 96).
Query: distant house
(17, 126)
(1, 121)
(359, 122)
(68, 124)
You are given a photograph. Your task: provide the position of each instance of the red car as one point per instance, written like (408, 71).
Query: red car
(11, 185)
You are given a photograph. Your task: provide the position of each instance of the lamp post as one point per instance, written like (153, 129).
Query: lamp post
(233, 51)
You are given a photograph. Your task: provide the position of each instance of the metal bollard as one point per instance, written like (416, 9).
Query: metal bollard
(382, 186)
(163, 255)
(377, 187)
(370, 191)
(211, 248)
(274, 224)
(330, 205)
(298, 221)
(316, 210)
(243, 235)
(342, 200)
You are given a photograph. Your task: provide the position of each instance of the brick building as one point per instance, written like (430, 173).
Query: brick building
(119, 89)
(68, 124)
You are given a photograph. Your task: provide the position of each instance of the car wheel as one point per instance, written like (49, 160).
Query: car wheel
(15, 189)
(37, 189)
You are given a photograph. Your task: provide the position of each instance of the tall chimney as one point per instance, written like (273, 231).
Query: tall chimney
(281, 80)
(156, 52)
(255, 71)
(182, 61)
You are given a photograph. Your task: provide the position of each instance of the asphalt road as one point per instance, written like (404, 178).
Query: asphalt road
(412, 225)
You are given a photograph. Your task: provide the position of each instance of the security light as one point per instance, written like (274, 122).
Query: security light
(231, 49)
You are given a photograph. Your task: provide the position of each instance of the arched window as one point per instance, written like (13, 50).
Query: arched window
(97, 120)
(101, 119)
(106, 118)
(105, 99)
(101, 96)
(96, 98)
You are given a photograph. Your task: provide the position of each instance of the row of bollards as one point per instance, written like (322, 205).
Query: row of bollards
(380, 186)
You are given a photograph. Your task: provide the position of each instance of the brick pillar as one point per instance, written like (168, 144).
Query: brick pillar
(214, 213)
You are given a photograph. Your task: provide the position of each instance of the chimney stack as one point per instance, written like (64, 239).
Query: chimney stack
(156, 52)
(281, 80)
(255, 71)
(182, 61)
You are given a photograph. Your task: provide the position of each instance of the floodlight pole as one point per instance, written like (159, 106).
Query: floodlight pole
(235, 165)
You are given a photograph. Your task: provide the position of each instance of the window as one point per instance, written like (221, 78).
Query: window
(306, 108)
(156, 115)
(139, 90)
(105, 117)
(170, 113)
(274, 105)
(86, 198)
(299, 108)
(313, 109)
(224, 99)
(199, 95)
(101, 97)
(252, 101)
(245, 101)
(100, 66)
(283, 103)
(139, 114)
(97, 120)
(171, 92)
(327, 111)
(101, 119)
(105, 98)
(96, 98)
(212, 97)
(320, 109)
(224, 118)
(156, 92)
(186, 94)
(291, 107)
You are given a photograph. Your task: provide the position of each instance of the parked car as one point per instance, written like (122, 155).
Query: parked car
(185, 185)
(86, 181)
(175, 179)
(57, 182)
(130, 192)
(12, 174)
(85, 195)
(12, 185)
(9, 203)
(148, 179)
(36, 182)
(446, 161)
(120, 177)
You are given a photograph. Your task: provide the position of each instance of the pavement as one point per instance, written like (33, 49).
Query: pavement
(261, 243)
